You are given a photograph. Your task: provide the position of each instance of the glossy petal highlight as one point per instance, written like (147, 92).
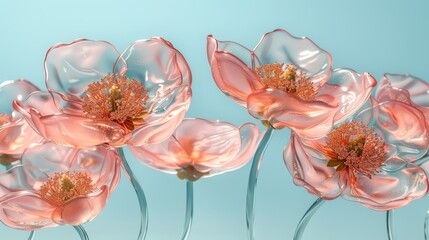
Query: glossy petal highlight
(280, 46)
(308, 168)
(389, 189)
(203, 147)
(70, 67)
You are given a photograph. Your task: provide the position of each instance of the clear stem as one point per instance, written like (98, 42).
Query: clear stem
(426, 227)
(81, 231)
(189, 209)
(253, 178)
(32, 234)
(389, 225)
(140, 196)
(299, 231)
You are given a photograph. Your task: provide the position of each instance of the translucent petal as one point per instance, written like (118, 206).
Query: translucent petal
(309, 170)
(402, 126)
(157, 65)
(388, 189)
(63, 128)
(14, 90)
(349, 90)
(405, 88)
(71, 67)
(166, 156)
(249, 141)
(232, 69)
(166, 115)
(26, 211)
(281, 47)
(16, 136)
(81, 209)
(283, 109)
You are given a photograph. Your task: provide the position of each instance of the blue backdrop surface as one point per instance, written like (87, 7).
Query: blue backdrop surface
(374, 36)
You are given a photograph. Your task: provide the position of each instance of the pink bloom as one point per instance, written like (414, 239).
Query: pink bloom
(57, 185)
(284, 81)
(98, 96)
(369, 160)
(405, 88)
(15, 134)
(201, 148)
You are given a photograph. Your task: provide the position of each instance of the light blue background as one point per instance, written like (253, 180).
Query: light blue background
(374, 36)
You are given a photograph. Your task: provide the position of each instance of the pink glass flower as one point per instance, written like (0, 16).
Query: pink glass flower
(201, 148)
(57, 185)
(405, 88)
(98, 96)
(284, 81)
(15, 134)
(369, 160)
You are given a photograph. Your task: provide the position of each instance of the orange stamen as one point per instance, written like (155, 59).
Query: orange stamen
(65, 186)
(116, 98)
(286, 78)
(355, 147)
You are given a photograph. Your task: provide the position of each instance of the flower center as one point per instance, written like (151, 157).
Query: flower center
(190, 173)
(64, 186)
(286, 77)
(353, 146)
(4, 118)
(116, 98)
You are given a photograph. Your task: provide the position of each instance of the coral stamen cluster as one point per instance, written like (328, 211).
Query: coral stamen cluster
(116, 98)
(286, 77)
(355, 148)
(65, 186)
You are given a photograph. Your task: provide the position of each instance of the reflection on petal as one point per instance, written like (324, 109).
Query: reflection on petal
(388, 190)
(308, 168)
(69, 68)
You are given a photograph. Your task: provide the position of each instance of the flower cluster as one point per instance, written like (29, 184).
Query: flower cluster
(344, 142)
(63, 148)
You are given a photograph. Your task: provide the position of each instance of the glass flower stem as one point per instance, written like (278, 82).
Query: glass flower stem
(299, 231)
(140, 196)
(82, 232)
(253, 178)
(426, 227)
(189, 209)
(389, 225)
(32, 234)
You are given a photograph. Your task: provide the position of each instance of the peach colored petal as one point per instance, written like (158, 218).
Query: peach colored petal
(416, 87)
(101, 163)
(14, 180)
(63, 128)
(81, 209)
(26, 211)
(349, 89)
(249, 141)
(388, 190)
(309, 170)
(208, 142)
(168, 112)
(157, 65)
(232, 73)
(281, 47)
(16, 136)
(69, 68)
(14, 90)
(166, 156)
(283, 109)
(402, 126)
(405, 88)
